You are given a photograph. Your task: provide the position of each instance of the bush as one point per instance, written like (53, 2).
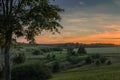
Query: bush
(37, 52)
(88, 60)
(56, 49)
(45, 50)
(31, 72)
(48, 56)
(56, 67)
(81, 50)
(70, 51)
(96, 56)
(53, 57)
(74, 59)
(103, 60)
(18, 58)
(97, 63)
(109, 62)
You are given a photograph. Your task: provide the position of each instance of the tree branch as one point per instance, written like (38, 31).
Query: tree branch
(7, 7)
(3, 5)
(11, 5)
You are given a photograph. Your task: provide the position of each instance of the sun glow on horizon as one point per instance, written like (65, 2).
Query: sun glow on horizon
(86, 21)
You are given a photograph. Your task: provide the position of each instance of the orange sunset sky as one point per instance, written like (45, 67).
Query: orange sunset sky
(85, 21)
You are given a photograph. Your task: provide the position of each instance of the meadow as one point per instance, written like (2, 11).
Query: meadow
(111, 72)
(91, 72)
(76, 72)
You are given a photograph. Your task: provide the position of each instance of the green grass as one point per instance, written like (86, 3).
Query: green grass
(104, 50)
(90, 73)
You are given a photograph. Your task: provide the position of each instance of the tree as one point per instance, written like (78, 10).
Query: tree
(26, 18)
(1, 51)
(37, 52)
(18, 58)
(81, 50)
(53, 57)
(88, 60)
(70, 51)
(56, 67)
(97, 63)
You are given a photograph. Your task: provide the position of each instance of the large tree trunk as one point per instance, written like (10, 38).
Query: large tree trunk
(1, 63)
(1, 58)
(8, 38)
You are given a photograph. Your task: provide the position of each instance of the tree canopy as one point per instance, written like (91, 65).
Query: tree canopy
(28, 17)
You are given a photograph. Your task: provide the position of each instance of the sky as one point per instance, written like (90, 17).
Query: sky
(85, 21)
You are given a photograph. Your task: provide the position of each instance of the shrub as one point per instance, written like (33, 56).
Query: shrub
(56, 49)
(109, 62)
(45, 50)
(97, 63)
(48, 56)
(88, 60)
(31, 72)
(56, 67)
(70, 51)
(74, 59)
(53, 56)
(18, 58)
(37, 52)
(103, 60)
(96, 56)
(81, 50)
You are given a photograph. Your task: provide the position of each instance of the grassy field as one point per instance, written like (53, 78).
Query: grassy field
(91, 72)
(111, 72)
(87, 72)
(103, 50)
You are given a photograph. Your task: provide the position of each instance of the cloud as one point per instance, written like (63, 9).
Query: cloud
(81, 3)
(76, 20)
(94, 21)
(117, 2)
(113, 27)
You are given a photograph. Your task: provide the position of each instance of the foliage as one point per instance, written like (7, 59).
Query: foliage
(74, 59)
(97, 62)
(26, 18)
(50, 49)
(53, 56)
(31, 72)
(70, 51)
(81, 50)
(109, 62)
(103, 59)
(56, 67)
(18, 58)
(37, 52)
(96, 56)
(48, 56)
(88, 60)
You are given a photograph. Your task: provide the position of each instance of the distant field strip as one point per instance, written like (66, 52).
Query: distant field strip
(103, 50)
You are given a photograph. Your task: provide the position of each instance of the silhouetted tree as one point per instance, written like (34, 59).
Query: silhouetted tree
(70, 51)
(81, 50)
(26, 18)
